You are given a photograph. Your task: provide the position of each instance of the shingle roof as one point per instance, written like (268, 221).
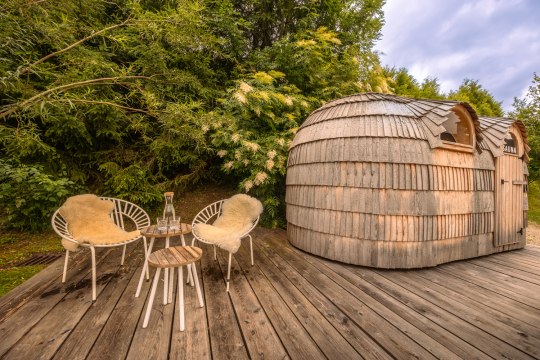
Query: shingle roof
(430, 113)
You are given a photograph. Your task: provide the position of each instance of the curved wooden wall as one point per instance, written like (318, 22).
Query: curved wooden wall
(370, 188)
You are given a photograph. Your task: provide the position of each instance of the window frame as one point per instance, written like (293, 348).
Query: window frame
(519, 142)
(461, 112)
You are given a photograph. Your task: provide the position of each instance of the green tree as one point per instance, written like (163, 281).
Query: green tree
(480, 99)
(527, 109)
(130, 98)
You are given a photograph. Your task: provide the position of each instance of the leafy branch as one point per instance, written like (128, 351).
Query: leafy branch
(110, 103)
(47, 57)
(11, 109)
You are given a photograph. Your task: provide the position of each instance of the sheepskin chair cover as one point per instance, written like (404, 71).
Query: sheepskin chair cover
(89, 221)
(238, 214)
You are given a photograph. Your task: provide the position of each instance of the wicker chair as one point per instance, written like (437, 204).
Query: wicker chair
(208, 215)
(123, 214)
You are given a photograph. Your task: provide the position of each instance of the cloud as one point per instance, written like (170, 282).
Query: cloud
(494, 41)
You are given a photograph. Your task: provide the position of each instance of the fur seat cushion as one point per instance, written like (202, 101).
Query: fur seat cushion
(238, 214)
(89, 221)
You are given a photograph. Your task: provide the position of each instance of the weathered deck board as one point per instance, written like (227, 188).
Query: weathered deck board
(289, 305)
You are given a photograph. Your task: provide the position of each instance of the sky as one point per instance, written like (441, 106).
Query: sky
(494, 41)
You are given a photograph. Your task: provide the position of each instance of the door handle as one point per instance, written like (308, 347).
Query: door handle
(503, 181)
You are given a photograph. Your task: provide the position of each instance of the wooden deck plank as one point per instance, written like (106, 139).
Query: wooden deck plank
(505, 285)
(259, 335)
(50, 332)
(481, 340)
(225, 336)
(505, 267)
(194, 342)
(528, 257)
(475, 293)
(82, 338)
(20, 318)
(37, 284)
(329, 340)
(289, 305)
(153, 342)
(491, 321)
(515, 263)
(387, 330)
(415, 315)
(349, 330)
(292, 334)
(115, 338)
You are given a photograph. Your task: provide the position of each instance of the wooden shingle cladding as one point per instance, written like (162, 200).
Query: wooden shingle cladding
(370, 182)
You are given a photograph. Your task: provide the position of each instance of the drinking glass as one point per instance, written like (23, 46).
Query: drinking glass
(174, 224)
(161, 224)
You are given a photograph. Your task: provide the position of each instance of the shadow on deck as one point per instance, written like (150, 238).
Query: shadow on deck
(289, 304)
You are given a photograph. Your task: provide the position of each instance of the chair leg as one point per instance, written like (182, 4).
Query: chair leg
(197, 287)
(93, 251)
(151, 301)
(229, 271)
(251, 249)
(123, 255)
(180, 296)
(65, 267)
(215, 254)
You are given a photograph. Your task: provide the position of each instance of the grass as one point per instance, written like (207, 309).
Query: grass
(18, 246)
(534, 203)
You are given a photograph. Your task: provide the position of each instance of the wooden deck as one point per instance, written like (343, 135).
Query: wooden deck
(289, 305)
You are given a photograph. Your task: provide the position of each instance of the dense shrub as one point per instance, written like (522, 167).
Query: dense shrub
(30, 196)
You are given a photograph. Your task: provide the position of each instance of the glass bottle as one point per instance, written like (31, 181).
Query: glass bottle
(168, 211)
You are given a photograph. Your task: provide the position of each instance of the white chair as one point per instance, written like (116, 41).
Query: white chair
(207, 216)
(123, 214)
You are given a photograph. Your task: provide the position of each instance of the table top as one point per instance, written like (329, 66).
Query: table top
(152, 231)
(174, 256)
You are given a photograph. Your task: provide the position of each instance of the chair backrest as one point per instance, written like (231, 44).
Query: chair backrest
(208, 213)
(212, 212)
(123, 210)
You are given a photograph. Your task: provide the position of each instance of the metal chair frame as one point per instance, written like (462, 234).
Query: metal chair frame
(214, 210)
(122, 209)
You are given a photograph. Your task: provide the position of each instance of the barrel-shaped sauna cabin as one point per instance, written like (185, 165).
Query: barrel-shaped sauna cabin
(391, 182)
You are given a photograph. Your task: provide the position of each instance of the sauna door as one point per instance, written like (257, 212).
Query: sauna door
(509, 186)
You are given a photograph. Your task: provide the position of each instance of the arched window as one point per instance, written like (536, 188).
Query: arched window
(458, 128)
(510, 144)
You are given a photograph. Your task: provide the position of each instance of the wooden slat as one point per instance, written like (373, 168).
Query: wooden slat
(225, 335)
(360, 312)
(83, 336)
(329, 340)
(260, 337)
(43, 338)
(291, 304)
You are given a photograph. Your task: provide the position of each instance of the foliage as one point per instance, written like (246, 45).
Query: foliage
(131, 98)
(533, 213)
(264, 110)
(527, 109)
(404, 84)
(30, 196)
(480, 99)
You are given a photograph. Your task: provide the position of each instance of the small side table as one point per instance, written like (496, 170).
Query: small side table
(174, 257)
(153, 233)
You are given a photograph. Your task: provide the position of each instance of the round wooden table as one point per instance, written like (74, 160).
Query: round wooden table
(170, 258)
(154, 233)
